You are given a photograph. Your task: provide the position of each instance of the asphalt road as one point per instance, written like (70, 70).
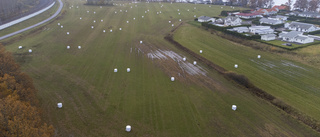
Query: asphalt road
(35, 25)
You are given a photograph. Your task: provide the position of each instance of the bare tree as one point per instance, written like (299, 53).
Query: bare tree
(253, 3)
(233, 1)
(244, 3)
(301, 4)
(313, 5)
(289, 4)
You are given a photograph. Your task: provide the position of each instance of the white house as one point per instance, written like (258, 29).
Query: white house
(295, 36)
(232, 21)
(241, 29)
(270, 21)
(260, 30)
(268, 37)
(298, 26)
(309, 14)
(249, 15)
(280, 17)
(205, 19)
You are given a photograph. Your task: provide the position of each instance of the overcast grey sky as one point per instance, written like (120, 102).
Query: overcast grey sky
(279, 2)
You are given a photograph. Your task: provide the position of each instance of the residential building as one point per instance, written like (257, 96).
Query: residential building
(268, 37)
(249, 15)
(270, 21)
(267, 11)
(298, 26)
(205, 19)
(280, 7)
(280, 17)
(241, 29)
(309, 14)
(295, 36)
(260, 30)
(232, 21)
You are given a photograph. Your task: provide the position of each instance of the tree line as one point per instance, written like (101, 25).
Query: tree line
(19, 107)
(99, 2)
(304, 5)
(12, 8)
(307, 5)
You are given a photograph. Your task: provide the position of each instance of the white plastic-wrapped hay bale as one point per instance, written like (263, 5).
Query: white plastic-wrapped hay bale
(58, 24)
(140, 41)
(234, 107)
(195, 8)
(101, 20)
(142, 16)
(79, 47)
(179, 13)
(68, 47)
(184, 59)
(115, 12)
(120, 28)
(259, 56)
(134, 18)
(92, 27)
(179, 19)
(94, 12)
(128, 69)
(88, 11)
(194, 62)
(127, 21)
(20, 47)
(59, 105)
(172, 78)
(80, 18)
(188, 10)
(194, 16)
(30, 50)
(128, 128)
(104, 31)
(68, 33)
(111, 30)
(172, 25)
(160, 12)
(235, 65)
(200, 51)
(169, 21)
(61, 26)
(115, 70)
(94, 21)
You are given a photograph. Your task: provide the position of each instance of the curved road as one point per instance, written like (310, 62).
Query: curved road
(35, 25)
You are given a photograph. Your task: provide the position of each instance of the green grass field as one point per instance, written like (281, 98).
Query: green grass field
(279, 43)
(98, 102)
(292, 82)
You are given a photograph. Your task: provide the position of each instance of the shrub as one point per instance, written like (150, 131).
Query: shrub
(240, 79)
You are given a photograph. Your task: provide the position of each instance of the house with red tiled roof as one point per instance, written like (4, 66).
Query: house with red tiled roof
(268, 11)
(280, 7)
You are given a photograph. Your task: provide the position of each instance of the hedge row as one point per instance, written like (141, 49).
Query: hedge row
(314, 32)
